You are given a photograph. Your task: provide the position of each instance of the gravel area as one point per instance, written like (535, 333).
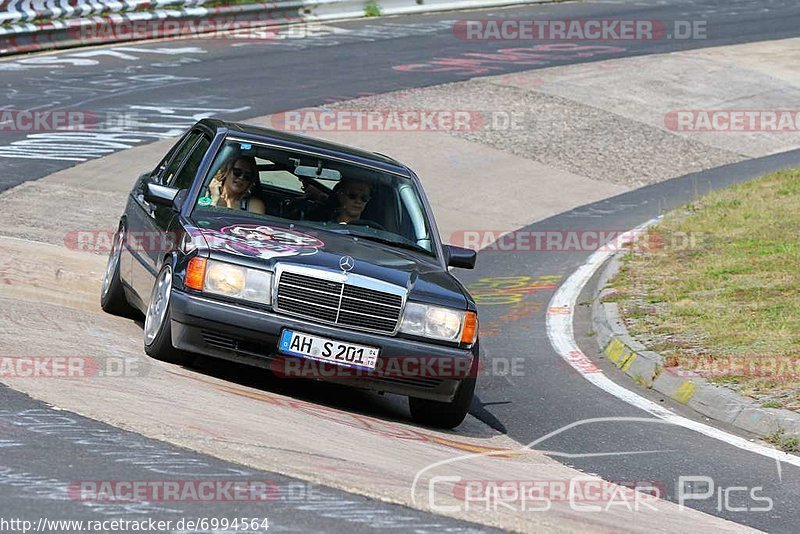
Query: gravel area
(558, 132)
(648, 89)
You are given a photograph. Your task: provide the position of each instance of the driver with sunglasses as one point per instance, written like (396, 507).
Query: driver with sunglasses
(233, 185)
(352, 196)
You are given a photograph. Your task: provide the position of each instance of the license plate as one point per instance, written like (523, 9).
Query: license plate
(327, 350)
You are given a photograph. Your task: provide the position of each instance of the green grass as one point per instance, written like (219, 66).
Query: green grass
(779, 439)
(732, 291)
(372, 9)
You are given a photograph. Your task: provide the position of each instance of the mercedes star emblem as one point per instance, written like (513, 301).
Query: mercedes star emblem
(346, 263)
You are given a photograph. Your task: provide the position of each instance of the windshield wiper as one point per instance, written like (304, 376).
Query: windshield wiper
(398, 244)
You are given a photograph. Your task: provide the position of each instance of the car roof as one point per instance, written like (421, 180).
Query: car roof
(289, 140)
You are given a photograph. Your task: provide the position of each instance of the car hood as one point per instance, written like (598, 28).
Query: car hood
(264, 244)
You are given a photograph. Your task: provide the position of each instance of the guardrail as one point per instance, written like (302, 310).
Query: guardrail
(36, 25)
(29, 10)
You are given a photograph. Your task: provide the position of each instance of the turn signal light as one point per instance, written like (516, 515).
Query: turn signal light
(469, 334)
(195, 273)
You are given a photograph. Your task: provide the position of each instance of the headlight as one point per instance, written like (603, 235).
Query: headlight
(439, 323)
(225, 279)
(232, 281)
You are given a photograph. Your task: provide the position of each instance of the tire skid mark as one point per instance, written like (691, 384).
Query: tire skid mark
(361, 422)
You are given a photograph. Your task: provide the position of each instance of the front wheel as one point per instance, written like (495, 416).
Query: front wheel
(444, 414)
(158, 322)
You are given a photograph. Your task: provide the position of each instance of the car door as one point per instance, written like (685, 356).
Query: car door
(148, 223)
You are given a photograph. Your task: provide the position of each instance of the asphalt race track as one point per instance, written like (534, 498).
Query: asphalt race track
(33, 432)
(271, 76)
(167, 85)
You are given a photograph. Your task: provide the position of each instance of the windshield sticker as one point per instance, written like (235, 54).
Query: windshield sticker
(260, 241)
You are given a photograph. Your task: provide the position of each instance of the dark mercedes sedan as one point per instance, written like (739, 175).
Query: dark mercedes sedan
(311, 259)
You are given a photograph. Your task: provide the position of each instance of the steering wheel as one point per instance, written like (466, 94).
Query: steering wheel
(368, 223)
(324, 189)
(301, 208)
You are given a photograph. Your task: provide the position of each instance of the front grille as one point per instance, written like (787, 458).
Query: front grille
(341, 303)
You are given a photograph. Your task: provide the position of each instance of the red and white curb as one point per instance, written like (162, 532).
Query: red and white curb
(560, 315)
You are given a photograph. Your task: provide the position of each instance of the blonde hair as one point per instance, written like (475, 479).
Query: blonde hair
(230, 162)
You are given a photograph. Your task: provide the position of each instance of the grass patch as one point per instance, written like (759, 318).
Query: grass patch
(372, 9)
(723, 286)
(784, 443)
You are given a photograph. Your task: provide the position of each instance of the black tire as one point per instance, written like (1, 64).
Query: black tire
(112, 294)
(445, 415)
(158, 337)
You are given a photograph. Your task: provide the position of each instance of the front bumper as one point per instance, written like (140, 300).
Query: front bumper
(249, 336)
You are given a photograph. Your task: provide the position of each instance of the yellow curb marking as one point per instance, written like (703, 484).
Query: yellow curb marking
(628, 361)
(685, 392)
(614, 350)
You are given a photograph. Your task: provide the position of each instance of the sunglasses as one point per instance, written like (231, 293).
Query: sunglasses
(356, 196)
(241, 172)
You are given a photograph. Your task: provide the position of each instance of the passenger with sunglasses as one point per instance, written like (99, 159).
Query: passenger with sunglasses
(352, 196)
(234, 184)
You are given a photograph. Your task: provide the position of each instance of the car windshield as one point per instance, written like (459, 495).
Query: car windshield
(273, 183)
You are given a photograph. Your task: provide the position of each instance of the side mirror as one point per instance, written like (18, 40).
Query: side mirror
(161, 195)
(460, 257)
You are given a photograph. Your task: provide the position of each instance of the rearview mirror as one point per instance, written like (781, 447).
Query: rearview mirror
(318, 172)
(161, 195)
(460, 257)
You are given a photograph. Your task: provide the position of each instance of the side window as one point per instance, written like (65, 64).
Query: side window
(180, 154)
(185, 177)
(162, 165)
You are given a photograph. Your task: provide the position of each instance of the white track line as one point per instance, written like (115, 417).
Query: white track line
(560, 316)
